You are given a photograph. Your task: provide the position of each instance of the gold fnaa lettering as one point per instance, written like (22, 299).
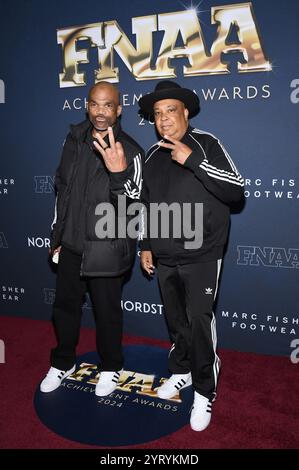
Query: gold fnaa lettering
(142, 383)
(241, 17)
(187, 25)
(108, 37)
(129, 379)
(85, 370)
(137, 60)
(72, 57)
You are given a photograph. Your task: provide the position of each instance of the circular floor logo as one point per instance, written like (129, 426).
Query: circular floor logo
(132, 414)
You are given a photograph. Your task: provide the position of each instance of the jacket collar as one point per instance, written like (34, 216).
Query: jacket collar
(187, 139)
(191, 139)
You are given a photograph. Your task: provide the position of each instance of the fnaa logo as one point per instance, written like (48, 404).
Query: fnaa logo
(268, 256)
(109, 37)
(132, 414)
(49, 297)
(44, 184)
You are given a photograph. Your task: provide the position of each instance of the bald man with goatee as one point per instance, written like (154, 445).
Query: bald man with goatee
(99, 163)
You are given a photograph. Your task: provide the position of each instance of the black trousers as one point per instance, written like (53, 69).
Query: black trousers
(188, 293)
(105, 295)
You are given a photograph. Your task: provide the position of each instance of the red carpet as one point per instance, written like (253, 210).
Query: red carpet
(257, 405)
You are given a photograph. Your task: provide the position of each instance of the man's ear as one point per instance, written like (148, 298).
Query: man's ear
(186, 113)
(119, 110)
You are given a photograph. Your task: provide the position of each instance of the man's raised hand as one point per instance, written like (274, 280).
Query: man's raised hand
(114, 156)
(179, 151)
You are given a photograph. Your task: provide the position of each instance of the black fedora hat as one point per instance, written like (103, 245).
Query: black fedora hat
(170, 90)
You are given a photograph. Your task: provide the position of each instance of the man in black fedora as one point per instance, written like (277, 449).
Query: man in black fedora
(188, 166)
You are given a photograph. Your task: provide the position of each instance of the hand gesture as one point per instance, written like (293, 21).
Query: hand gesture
(180, 152)
(114, 156)
(146, 260)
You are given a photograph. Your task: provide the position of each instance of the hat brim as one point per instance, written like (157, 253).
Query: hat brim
(188, 97)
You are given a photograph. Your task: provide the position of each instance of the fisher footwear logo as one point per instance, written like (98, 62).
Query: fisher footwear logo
(6, 185)
(134, 405)
(12, 293)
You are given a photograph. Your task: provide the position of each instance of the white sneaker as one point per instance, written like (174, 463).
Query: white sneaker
(173, 385)
(107, 383)
(201, 412)
(54, 378)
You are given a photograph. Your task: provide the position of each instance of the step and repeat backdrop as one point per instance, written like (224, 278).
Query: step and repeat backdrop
(242, 61)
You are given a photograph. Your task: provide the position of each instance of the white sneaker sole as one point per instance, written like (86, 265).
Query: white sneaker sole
(167, 396)
(105, 393)
(51, 389)
(200, 425)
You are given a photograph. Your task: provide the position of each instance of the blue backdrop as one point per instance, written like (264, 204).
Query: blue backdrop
(254, 111)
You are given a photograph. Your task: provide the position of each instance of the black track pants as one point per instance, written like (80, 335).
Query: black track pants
(188, 293)
(105, 295)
